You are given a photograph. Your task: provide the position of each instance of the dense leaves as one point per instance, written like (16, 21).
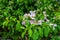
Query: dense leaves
(12, 14)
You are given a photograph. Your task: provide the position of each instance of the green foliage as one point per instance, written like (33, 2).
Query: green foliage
(46, 31)
(40, 30)
(12, 14)
(18, 26)
(30, 32)
(35, 35)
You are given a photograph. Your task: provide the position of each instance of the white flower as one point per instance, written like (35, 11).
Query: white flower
(47, 20)
(25, 15)
(31, 21)
(44, 12)
(40, 22)
(28, 14)
(32, 18)
(32, 11)
(55, 25)
(32, 14)
(23, 22)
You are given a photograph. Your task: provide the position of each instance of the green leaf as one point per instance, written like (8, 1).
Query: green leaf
(35, 35)
(1, 16)
(45, 1)
(40, 32)
(27, 23)
(58, 27)
(46, 31)
(23, 33)
(57, 15)
(18, 26)
(30, 32)
(19, 1)
(12, 30)
(5, 23)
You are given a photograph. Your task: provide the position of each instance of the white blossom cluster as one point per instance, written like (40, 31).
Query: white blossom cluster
(54, 25)
(32, 15)
(45, 16)
(51, 24)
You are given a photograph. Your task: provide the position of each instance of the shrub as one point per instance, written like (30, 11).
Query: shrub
(30, 19)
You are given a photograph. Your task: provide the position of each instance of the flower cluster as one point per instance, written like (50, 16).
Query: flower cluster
(54, 25)
(32, 15)
(45, 16)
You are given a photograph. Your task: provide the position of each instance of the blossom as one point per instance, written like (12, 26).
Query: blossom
(25, 15)
(45, 17)
(55, 25)
(40, 22)
(47, 20)
(32, 14)
(32, 22)
(23, 22)
(28, 14)
(44, 12)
